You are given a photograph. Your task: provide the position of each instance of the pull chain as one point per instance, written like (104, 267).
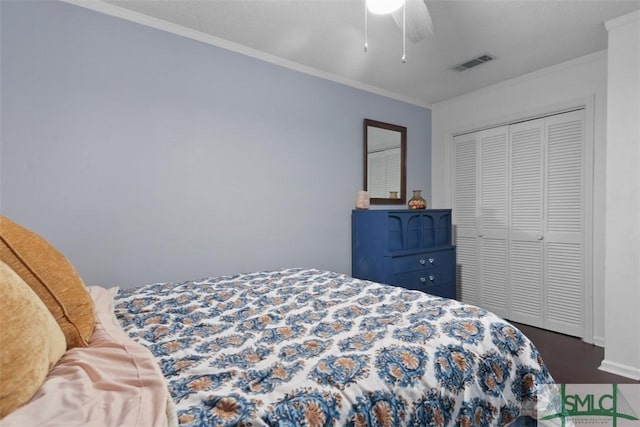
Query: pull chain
(366, 45)
(404, 32)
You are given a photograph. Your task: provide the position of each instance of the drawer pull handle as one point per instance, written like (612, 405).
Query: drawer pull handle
(431, 260)
(422, 262)
(422, 280)
(432, 277)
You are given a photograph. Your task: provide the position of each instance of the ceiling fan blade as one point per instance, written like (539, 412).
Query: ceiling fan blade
(418, 20)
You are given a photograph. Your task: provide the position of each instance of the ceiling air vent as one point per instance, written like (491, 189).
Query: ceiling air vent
(485, 57)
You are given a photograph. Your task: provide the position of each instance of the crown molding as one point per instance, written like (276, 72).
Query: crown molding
(629, 18)
(179, 30)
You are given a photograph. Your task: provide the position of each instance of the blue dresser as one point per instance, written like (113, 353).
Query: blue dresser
(408, 248)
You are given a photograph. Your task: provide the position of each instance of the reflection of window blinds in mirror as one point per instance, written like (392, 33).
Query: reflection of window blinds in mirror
(393, 170)
(383, 173)
(376, 175)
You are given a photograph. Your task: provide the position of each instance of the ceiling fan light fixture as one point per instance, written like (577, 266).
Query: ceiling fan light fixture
(383, 7)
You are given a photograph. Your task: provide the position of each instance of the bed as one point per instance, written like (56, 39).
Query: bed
(298, 347)
(290, 347)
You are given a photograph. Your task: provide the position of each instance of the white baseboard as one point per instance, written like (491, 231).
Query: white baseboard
(598, 341)
(620, 369)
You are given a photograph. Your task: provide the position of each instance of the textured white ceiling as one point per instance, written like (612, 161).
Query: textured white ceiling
(328, 36)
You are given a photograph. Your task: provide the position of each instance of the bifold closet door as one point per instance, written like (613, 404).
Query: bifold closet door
(480, 207)
(547, 226)
(519, 207)
(564, 219)
(465, 207)
(526, 254)
(493, 221)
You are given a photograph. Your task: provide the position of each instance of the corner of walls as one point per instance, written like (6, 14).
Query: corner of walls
(622, 243)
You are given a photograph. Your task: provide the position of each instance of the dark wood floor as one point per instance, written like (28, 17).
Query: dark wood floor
(569, 359)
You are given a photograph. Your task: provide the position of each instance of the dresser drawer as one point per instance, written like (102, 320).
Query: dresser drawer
(439, 282)
(422, 261)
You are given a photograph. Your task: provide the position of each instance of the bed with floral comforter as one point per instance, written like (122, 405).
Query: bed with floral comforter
(305, 347)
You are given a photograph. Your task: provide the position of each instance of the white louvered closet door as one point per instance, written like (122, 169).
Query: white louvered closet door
(527, 230)
(493, 219)
(465, 206)
(520, 227)
(564, 212)
(480, 207)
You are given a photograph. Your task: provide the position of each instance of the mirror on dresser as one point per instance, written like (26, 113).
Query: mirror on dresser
(385, 151)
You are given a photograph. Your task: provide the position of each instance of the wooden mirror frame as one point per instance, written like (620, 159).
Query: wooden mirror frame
(403, 161)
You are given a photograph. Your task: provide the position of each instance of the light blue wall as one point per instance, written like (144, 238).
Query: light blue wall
(144, 156)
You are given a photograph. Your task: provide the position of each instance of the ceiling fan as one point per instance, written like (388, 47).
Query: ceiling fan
(418, 24)
(411, 16)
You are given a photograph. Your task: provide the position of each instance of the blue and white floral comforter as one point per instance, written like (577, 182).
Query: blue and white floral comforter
(304, 347)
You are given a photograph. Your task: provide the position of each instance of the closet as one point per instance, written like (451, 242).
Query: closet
(519, 213)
